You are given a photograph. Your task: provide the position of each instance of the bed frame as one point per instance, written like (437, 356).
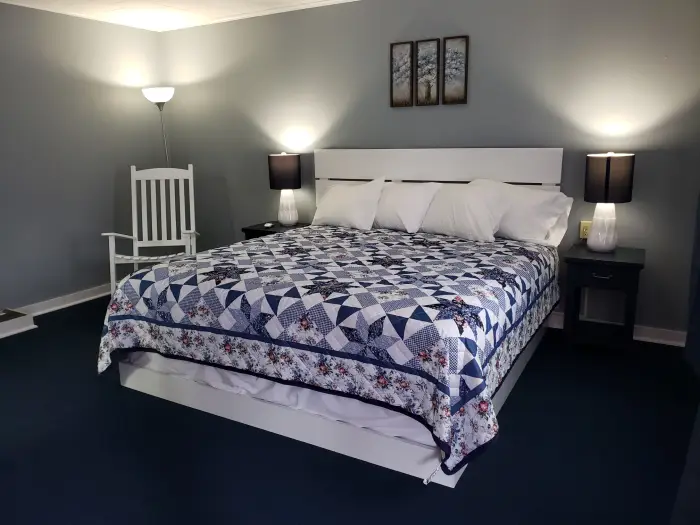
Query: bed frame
(529, 166)
(517, 166)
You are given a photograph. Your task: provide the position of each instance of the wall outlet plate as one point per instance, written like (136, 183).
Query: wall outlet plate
(583, 229)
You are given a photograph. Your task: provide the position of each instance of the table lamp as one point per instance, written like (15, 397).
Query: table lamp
(285, 175)
(608, 181)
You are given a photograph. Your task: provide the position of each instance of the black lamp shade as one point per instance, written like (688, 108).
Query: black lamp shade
(285, 172)
(609, 177)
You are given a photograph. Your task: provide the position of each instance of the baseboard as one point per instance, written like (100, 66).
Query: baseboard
(65, 301)
(16, 323)
(648, 334)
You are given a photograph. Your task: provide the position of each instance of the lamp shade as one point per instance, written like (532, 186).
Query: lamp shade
(158, 94)
(285, 172)
(609, 177)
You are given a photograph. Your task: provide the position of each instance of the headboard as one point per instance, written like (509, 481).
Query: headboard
(533, 166)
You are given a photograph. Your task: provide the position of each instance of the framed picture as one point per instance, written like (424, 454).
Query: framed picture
(455, 62)
(401, 56)
(428, 72)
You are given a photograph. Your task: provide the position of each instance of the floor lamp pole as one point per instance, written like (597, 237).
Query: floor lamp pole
(161, 105)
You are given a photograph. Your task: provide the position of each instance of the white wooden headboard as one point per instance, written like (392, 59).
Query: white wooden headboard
(540, 166)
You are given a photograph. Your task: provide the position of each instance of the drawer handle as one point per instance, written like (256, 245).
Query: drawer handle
(604, 277)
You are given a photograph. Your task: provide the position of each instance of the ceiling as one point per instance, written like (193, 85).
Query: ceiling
(166, 15)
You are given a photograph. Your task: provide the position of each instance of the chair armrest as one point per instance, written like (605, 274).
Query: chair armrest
(120, 235)
(190, 232)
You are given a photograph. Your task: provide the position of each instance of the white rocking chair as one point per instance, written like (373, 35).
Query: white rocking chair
(179, 234)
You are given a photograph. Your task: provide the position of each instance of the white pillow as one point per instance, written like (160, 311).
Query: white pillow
(353, 206)
(465, 210)
(403, 206)
(533, 215)
(556, 234)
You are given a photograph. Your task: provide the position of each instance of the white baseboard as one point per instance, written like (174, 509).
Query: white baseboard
(65, 301)
(648, 334)
(22, 324)
(16, 326)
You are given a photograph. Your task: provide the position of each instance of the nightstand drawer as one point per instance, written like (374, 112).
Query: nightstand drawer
(602, 276)
(618, 270)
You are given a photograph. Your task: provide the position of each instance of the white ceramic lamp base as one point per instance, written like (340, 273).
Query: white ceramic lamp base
(602, 236)
(287, 215)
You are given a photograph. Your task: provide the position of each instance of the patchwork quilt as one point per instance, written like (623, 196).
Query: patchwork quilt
(409, 322)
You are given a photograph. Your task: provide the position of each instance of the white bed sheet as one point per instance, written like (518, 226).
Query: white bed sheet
(336, 408)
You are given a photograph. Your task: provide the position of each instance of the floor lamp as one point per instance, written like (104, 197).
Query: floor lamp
(159, 96)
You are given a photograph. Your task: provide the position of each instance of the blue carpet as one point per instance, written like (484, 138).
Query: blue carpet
(588, 436)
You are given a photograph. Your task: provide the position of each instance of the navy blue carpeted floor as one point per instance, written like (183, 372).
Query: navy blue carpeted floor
(587, 436)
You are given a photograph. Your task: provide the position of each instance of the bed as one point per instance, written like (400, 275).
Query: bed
(394, 348)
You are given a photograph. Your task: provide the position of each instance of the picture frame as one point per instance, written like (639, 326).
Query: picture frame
(401, 74)
(455, 69)
(427, 72)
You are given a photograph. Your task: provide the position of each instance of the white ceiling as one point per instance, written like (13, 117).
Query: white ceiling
(166, 15)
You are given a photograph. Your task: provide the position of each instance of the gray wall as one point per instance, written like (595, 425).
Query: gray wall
(71, 123)
(588, 76)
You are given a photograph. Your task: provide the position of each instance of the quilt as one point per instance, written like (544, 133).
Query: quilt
(405, 321)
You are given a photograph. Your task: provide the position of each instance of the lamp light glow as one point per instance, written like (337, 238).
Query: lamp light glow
(297, 138)
(158, 95)
(156, 18)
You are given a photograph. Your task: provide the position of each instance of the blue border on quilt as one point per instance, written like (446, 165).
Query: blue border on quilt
(507, 332)
(289, 344)
(401, 368)
(476, 391)
(443, 446)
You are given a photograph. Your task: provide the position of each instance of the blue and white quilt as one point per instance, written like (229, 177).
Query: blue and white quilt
(405, 321)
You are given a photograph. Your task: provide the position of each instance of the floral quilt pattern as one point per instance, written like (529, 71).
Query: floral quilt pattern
(424, 324)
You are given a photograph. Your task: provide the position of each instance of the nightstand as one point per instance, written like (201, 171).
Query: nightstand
(618, 270)
(259, 230)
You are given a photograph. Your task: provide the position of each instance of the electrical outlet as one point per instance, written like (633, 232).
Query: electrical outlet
(583, 230)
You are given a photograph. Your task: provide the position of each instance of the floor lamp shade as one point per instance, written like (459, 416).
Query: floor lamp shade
(285, 175)
(609, 179)
(160, 96)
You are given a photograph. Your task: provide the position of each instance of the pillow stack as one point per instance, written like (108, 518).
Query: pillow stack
(351, 206)
(478, 211)
(391, 205)
(534, 215)
(466, 211)
(403, 206)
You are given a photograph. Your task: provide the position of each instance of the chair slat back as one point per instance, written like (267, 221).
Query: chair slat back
(162, 192)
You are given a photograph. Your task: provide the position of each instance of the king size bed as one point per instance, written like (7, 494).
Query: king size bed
(391, 347)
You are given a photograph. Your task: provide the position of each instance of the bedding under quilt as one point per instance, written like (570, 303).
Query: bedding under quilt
(405, 321)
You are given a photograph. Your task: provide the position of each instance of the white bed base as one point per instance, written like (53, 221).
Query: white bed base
(534, 166)
(360, 443)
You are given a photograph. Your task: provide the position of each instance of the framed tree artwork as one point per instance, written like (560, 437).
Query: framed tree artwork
(427, 72)
(401, 62)
(455, 62)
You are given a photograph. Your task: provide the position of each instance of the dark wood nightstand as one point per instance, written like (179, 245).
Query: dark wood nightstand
(618, 270)
(259, 230)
